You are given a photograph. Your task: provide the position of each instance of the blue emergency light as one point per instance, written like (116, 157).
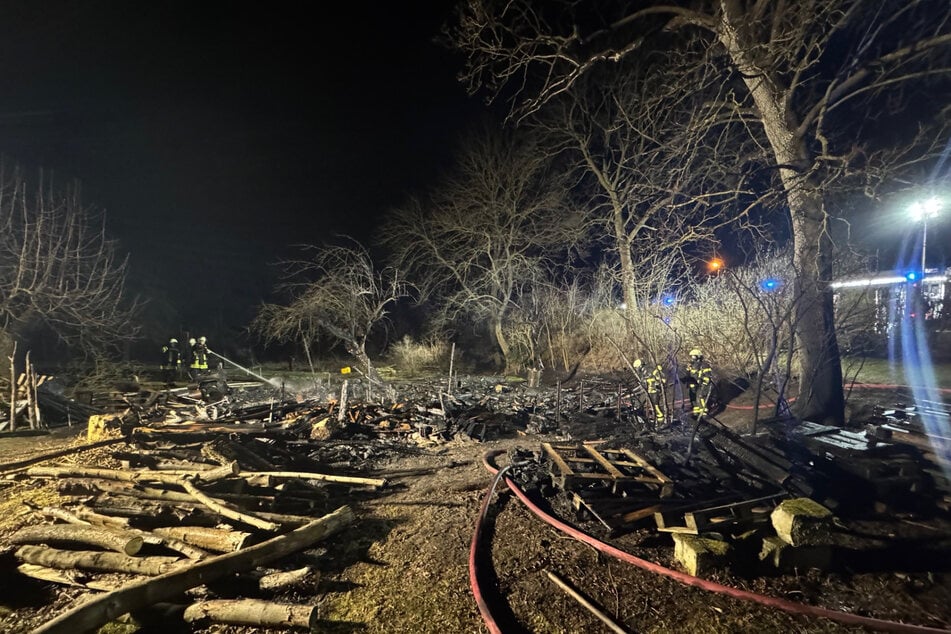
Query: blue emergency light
(770, 284)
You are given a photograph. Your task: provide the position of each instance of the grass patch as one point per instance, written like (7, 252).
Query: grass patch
(867, 370)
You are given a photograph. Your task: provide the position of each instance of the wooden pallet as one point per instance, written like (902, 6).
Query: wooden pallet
(620, 469)
(616, 513)
(716, 518)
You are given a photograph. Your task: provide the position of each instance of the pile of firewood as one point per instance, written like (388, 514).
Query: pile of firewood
(176, 516)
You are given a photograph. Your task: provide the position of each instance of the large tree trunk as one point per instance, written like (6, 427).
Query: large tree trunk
(821, 397)
(358, 351)
(820, 394)
(627, 263)
(360, 354)
(622, 241)
(502, 342)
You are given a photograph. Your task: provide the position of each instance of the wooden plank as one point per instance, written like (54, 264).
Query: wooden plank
(808, 428)
(584, 462)
(641, 462)
(606, 510)
(557, 459)
(639, 514)
(702, 520)
(579, 503)
(604, 462)
(606, 459)
(562, 474)
(667, 485)
(664, 520)
(730, 515)
(621, 468)
(594, 476)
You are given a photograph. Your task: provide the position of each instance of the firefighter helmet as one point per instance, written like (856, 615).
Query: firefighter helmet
(191, 341)
(173, 340)
(696, 353)
(637, 363)
(202, 340)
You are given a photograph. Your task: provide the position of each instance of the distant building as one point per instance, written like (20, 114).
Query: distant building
(894, 296)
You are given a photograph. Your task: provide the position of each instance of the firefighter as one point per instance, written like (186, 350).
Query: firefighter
(199, 363)
(699, 383)
(652, 383)
(171, 361)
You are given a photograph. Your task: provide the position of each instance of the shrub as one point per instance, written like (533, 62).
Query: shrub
(412, 357)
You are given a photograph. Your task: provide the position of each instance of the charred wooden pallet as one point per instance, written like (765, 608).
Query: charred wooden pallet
(717, 518)
(581, 465)
(835, 439)
(749, 458)
(614, 512)
(886, 469)
(935, 446)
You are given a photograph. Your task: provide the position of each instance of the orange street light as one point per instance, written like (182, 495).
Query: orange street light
(715, 265)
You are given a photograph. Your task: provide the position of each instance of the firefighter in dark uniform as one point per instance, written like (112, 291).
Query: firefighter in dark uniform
(171, 361)
(199, 363)
(699, 383)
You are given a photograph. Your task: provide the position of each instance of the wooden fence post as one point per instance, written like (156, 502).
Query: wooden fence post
(342, 413)
(29, 392)
(452, 354)
(13, 388)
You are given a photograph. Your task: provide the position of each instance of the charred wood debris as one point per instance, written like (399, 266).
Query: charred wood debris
(196, 475)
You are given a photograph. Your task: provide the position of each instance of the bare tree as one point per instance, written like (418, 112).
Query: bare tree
(656, 144)
(58, 270)
(560, 310)
(816, 72)
(487, 232)
(336, 293)
(743, 319)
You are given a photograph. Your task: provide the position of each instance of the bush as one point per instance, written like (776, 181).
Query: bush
(412, 357)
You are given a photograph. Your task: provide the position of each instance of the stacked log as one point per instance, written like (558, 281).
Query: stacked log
(100, 610)
(180, 518)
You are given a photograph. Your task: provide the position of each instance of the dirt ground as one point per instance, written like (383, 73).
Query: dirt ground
(403, 567)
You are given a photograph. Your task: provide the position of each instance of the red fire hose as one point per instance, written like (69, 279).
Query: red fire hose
(475, 557)
(782, 604)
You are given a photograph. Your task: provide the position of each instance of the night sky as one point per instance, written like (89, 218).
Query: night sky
(216, 134)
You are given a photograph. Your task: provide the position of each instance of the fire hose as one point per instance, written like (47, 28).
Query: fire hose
(711, 586)
(475, 558)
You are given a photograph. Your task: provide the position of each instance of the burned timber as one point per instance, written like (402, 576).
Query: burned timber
(244, 504)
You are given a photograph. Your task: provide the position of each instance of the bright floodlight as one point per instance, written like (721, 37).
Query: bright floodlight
(924, 209)
(715, 265)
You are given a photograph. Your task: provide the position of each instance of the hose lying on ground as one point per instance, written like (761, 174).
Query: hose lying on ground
(475, 557)
(712, 586)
